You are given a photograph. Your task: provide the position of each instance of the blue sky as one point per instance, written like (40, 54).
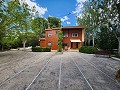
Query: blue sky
(66, 10)
(60, 9)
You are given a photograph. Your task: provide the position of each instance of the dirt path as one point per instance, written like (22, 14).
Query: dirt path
(50, 71)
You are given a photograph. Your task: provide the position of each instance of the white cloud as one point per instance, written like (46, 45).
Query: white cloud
(79, 6)
(64, 18)
(79, 1)
(39, 9)
(68, 22)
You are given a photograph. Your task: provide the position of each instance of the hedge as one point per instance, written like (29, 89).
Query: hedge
(88, 49)
(41, 49)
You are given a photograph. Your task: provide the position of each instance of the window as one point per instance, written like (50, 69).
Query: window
(56, 32)
(65, 34)
(49, 44)
(49, 35)
(74, 34)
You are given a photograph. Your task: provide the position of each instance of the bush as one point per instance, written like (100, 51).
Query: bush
(38, 49)
(117, 56)
(88, 49)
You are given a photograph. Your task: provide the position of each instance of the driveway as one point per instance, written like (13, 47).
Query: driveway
(50, 71)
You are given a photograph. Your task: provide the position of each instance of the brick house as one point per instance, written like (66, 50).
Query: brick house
(73, 37)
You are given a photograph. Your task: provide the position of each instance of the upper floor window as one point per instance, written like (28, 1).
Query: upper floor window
(74, 34)
(49, 35)
(65, 34)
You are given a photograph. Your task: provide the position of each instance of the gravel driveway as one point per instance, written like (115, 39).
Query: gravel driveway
(21, 70)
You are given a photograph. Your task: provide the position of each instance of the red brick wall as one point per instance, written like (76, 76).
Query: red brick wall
(70, 31)
(42, 43)
(53, 39)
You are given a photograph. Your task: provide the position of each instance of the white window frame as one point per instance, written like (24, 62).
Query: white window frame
(49, 44)
(73, 34)
(49, 35)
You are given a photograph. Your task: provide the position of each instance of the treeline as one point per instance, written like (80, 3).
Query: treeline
(22, 26)
(102, 18)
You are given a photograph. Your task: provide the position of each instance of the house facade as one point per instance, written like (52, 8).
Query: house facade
(73, 37)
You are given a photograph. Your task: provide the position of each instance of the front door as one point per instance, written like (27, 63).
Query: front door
(74, 45)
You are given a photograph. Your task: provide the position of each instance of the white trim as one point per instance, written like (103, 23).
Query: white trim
(75, 40)
(49, 35)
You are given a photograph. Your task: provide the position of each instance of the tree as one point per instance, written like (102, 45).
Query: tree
(38, 26)
(22, 21)
(89, 18)
(54, 22)
(106, 40)
(101, 13)
(3, 22)
(18, 18)
(9, 42)
(60, 37)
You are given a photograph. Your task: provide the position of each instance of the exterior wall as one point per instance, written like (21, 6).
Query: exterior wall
(53, 39)
(70, 31)
(42, 43)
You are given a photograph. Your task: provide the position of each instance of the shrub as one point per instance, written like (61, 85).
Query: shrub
(38, 49)
(88, 49)
(117, 56)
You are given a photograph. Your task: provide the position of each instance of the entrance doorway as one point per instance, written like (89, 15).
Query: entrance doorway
(74, 45)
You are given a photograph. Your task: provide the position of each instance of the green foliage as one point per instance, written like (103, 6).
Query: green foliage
(38, 49)
(60, 37)
(117, 56)
(3, 20)
(106, 40)
(54, 22)
(39, 25)
(88, 49)
(19, 19)
(15, 18)
(99, 13)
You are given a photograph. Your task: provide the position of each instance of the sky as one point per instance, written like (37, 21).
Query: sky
(66, 10)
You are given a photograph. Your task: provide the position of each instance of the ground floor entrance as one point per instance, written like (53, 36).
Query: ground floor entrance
(74, 45)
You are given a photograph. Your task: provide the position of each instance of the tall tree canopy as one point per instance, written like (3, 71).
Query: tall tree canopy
(100, 13)
(39, 25)
(19, 22)
(54, 22)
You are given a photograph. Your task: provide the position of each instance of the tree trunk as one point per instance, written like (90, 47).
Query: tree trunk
(88, 41)
(93, 40)
(119, 45)
(2, 47)
(24, 42)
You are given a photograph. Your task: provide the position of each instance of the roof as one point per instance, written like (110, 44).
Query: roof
(49, 29)
(71, 27)
(42, 38)
(67, 27)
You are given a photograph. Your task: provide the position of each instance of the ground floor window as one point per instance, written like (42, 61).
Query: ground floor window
(49, 44)
(65, 46)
